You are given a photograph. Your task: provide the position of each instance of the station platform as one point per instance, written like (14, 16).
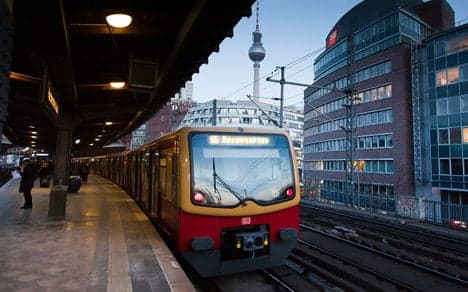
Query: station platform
(105, 243)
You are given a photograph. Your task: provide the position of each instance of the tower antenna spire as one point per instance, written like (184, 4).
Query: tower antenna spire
(258, 9)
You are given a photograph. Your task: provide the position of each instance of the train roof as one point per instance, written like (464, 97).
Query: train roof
(186, 130)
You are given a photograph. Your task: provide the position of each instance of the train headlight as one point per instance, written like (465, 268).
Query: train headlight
(199, 197)
(289, 192)
(238, 245)
(265, 242)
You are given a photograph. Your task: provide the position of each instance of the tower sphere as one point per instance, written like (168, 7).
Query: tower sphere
(256, 51)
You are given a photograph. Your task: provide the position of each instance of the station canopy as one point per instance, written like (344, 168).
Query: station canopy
(65, 56)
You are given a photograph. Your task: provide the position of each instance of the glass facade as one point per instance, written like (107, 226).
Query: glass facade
(376, 37)
(447, 93)
(332, 58)
(363, 142)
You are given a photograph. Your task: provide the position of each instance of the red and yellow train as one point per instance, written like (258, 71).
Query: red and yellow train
(227, 197)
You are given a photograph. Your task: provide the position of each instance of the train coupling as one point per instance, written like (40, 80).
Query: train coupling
(251, 241)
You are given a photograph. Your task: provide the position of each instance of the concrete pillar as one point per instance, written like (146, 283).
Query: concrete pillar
(62, 157)
(6, 44)
(58, 193)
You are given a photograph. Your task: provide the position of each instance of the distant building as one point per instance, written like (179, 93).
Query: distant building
(186, 93)
(360, 107)
(165, 120)
(168, 118)
(138, 137)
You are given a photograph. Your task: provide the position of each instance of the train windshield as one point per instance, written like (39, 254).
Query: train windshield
(229, 169)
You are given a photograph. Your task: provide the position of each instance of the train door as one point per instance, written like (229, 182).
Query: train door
(128, 160)
(138, 176)
(154, 184)
(133, 162)
(167, 204)
(144, 182)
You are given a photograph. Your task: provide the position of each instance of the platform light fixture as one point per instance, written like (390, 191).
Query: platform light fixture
(91, 144)
(108, 123)
(119, 20)
(33, 132)
(34, 137)
(77, 141)
(117, 85)
(97, 139)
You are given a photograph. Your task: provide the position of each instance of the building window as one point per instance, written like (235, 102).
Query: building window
(444, 166)
(454, 105)
(442, 107)
(447, 76)
(439, 48)
(441, 78)
(455, 137)
(443, 136)
(457, 167)
(463, 72)
(452, 75)
(465, 135)
(458, 43)
(373, 71)
(464, 103)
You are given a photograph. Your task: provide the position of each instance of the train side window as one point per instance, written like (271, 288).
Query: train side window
(169, 181)
(174, 176)
(162, 175)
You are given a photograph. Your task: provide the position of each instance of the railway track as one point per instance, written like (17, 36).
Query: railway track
(352, 266)
(458, 247)
(276, 279)
(390, 239)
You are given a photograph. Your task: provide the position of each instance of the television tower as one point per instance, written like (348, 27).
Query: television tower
(257, 54)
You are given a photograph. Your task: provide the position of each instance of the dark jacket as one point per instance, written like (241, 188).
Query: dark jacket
(27, 177)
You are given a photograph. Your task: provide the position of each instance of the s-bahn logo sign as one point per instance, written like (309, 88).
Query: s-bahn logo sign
(332, 38)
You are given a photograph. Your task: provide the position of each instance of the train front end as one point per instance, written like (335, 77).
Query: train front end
(239, 206)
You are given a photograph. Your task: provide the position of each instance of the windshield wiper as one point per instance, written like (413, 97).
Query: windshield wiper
(216, 178)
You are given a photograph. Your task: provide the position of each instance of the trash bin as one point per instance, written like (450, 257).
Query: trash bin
(74, 184)
(57, 202)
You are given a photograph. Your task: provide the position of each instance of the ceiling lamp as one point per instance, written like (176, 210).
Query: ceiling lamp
(108, 123)
(117, 85)
(119, 20)
(77, 141)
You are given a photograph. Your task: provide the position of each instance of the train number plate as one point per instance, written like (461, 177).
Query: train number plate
(245, 220)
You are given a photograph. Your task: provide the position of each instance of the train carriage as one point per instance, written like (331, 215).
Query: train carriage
(227, 197)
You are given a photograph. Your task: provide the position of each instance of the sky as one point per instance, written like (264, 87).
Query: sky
(291, 29)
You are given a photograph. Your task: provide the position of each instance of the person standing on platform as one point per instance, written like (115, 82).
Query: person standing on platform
(28, 175)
